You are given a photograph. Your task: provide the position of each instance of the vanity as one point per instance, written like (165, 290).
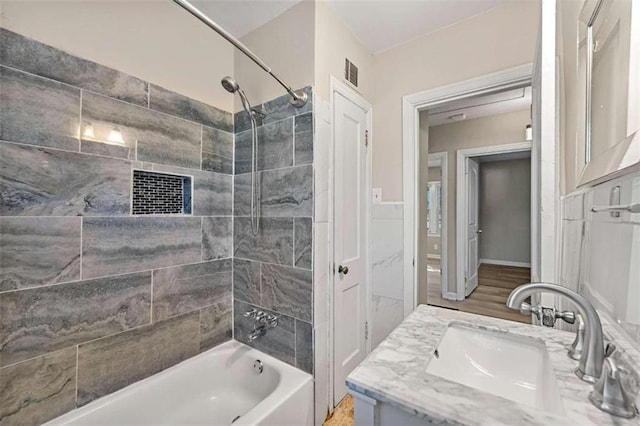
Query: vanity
(442, 366)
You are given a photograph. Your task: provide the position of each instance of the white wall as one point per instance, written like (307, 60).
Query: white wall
(333, 43)
(286, 44)
(505, 210)
(494, 130)
(501, 38)
(154, 41)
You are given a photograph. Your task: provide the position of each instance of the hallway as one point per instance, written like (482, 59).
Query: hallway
(495, 282)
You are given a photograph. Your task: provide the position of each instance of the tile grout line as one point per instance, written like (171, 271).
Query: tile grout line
(77, 370)
(145, 107)
(81, 237)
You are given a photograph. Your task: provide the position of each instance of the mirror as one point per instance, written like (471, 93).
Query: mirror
(608, 65)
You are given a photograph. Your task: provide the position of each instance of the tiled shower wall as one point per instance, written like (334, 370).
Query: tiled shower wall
(273, 271)
(92, 298)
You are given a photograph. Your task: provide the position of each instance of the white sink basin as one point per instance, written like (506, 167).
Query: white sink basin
(513, 367)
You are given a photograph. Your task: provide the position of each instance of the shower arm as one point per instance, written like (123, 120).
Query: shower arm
(298, 98)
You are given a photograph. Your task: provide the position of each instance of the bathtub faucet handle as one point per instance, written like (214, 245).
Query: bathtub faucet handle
(251, 313)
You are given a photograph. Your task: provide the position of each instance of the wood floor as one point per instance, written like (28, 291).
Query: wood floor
(495, 282)
(343, 414)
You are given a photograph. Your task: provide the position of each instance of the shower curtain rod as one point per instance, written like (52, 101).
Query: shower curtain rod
(298, 98)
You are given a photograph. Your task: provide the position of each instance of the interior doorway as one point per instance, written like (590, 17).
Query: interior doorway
(488, 208)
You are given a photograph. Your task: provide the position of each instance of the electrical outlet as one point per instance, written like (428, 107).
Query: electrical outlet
(435, 247)
(377, 195)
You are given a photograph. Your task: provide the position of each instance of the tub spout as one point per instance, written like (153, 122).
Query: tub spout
(590, 365)
(257, 332)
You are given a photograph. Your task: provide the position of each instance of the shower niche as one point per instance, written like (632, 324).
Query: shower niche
(161, 193)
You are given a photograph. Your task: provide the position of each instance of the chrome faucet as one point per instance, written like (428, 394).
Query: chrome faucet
(262, 322)
(590, 365)
(257, 332)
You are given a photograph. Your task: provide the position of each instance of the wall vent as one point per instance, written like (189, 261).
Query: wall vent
(160, 193)
(350, 72)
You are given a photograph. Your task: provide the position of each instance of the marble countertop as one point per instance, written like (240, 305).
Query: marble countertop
(395, 373)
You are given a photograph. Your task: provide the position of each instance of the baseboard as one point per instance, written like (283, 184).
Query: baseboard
(505, 263)
(433, 256)
(450, 295)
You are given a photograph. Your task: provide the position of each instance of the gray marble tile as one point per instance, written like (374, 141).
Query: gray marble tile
(38, 111)
(303, 245)
(278, 342)
(283, 192)
(287, 290)
(118, 245)
(280, 108)
(109, 364)
(172, 103)
(107, 149)
(45, 319)
(246, 281)
(216, 324)
(274, 242)
(212, 191)
(38, 390)
(159, 138)
(241, 120)
(181, 289)
(43, 182)
(37, 58)
(217, 150)
(304, 139)
(217, 237)
(304, 346)
(38, 251)
(275, 147)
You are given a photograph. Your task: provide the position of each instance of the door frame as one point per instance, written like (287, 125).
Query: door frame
(441, 159)
(511, 78)
(461, 199)
(337, 86)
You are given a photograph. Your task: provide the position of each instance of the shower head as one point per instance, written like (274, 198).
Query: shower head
(230, 84)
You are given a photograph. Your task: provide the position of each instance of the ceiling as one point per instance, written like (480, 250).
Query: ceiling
(383, 24)
(378, 24)
(481, 106)
(240, 17)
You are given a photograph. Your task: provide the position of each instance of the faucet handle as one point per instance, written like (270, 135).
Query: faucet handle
(251, 313)
(608, 393)
(575, 351)
(567, 316)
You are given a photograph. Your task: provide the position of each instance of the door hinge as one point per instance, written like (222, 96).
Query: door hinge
(366, 138)
(366, 330)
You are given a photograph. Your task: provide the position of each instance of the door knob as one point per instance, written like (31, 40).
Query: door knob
(343, 269)
(479, 231)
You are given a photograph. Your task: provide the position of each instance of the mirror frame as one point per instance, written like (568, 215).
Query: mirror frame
(623, 157)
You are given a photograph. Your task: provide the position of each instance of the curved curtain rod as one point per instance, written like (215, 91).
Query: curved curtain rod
(298, 98)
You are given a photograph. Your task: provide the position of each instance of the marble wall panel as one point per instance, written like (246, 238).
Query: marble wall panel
(39, 251)
(186, 288)
(39, 389)
(116, 245)
(38, 111)
(45, 319)
(157, 137)
(37, 58)
(178, 105)
(274, 242)
(111, 363)
(287, 290)
(46, 182)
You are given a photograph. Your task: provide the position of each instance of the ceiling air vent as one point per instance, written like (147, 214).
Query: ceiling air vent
(350, 72)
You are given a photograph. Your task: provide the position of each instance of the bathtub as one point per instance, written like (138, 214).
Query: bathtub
(218, 387)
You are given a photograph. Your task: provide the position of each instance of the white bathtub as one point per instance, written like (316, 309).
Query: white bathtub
(213, 388)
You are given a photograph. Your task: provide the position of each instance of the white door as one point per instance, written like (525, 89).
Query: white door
(349, 236)
(473, 231)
